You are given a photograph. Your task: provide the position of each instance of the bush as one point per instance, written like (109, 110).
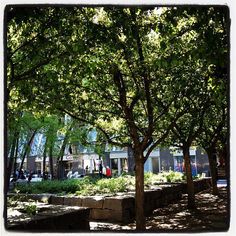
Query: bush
(31, 209)
(48, 186)
(163, 177)
(91, 186)
(23, 188)
(101, 186)
(112, 185)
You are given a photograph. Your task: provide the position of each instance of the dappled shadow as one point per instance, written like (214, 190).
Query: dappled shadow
(210, 215)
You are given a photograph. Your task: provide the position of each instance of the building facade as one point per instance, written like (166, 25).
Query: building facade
(121, 160)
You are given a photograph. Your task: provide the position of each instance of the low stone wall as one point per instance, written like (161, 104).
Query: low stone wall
(202, 184)
(52, 218)
(113, 209)
(122, 208)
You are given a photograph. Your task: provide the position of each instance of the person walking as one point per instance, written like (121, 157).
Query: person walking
(108, 172)
(30, 177)
(100, 170)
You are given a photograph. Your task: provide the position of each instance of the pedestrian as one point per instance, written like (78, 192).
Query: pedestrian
(17, 174)
(108, 172)
(86, 170)
(30, 177)
(21, 174)
(100, 170)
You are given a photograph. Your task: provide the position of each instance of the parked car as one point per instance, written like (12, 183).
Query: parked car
(77, 176)
(36, 178)
(74, 175)
(22, 180)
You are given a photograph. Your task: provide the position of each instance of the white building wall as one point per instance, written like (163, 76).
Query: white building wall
(148, 165)
(118, 155)
(155, 153)
(192, 152)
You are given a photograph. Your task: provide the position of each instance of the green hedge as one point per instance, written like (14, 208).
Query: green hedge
(92, 186)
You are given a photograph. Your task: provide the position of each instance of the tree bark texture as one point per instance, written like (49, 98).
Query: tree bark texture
(212, 164)
(15, 158)
(139, 191)
(51, 160)
(188, 171)
(226, 159)
(27, 148)
(44, 158)
(11, 159)
(60, 166)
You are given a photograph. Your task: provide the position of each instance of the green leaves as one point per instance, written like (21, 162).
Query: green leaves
(62, 60)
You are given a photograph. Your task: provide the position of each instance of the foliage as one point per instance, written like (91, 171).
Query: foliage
(55, 186)
(132, 73)
(164, 177)
(22, 204)
(171, 48)
(105, 186)
(31, 209)
(93, 186)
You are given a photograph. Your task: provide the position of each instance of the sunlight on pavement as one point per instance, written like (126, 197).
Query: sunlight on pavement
(210, 215)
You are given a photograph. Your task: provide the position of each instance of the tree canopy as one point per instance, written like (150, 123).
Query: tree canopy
(142, 76)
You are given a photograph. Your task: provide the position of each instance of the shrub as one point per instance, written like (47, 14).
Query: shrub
(148, 178)
(91, 186)
(112, 185)
(163, 177)
(31, 209)
(23, 188)
(55, 186)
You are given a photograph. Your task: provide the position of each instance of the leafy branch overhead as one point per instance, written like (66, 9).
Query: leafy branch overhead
(141, 77)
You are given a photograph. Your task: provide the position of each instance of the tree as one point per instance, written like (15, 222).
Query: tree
(12, 151)
(213, 131)
(218, 56)
(21, 133)
(192, 72)
(51, 125)
(30, 125)
(121, 103)
(109, 68)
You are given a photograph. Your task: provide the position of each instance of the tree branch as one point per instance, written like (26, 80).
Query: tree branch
(109, 139)
(23, 45)
(163, 137)
(135, 32)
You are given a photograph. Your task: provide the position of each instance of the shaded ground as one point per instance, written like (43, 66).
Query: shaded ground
(210, 215)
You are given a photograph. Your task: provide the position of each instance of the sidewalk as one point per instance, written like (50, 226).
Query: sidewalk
(210, 216)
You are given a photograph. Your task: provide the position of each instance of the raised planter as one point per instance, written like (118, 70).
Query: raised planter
(52, 218)
(122, 208)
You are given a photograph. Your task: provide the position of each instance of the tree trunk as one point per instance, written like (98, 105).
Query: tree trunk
(15, 158)
(44, 158)
(11, 160)
(139, 191)
(60, 172)
(225, 157)
(212, 164)
(188, 171)
(51, 160)
(27, 148)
